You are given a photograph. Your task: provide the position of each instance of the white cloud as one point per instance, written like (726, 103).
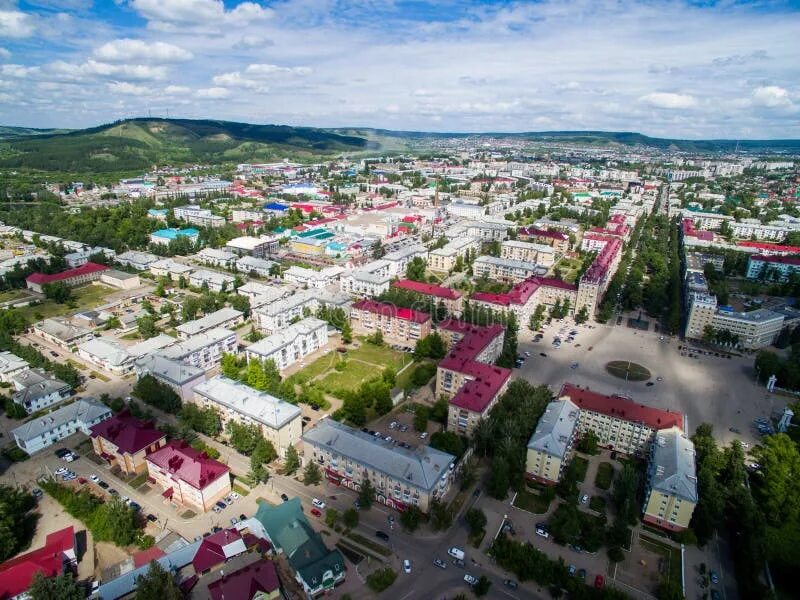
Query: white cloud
(132, 51)
(172, 15)
(129, 89)
(263, 70)
(771, 96)
(669, 101)
(18, 71)
(249, 42)
(4, 54)
(16, 24)
(172, 90)
(257, 76)
(93, 68)
(214, 93)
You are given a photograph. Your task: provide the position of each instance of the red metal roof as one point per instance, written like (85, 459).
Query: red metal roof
(488, 380)
(475, 338)
(43, 278)
(212, 550)
(545, 233)
(187, 464)
(390, 310)
(522, 291)
(259, 576)
(427, 288)
(17, 574)
(129, 434)
(784, 260)
(621, 408)
(770, 247)
(144, 557)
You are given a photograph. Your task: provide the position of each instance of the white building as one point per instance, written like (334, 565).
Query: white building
(311, 278)
(195, 215)
(258, 266)
(504, 269)
(277, 315)
(10, 365)
(62, 333)
(398, 259)
(224, 317)
(204, 350)
(292, 344)
(179, 376)
(258, 247)
(167, 267)
(214, 280)
(371, 279)
(106, 354)
(44, 431)
(444, 258)
(217, 258)
(527, 252)
(36, 389)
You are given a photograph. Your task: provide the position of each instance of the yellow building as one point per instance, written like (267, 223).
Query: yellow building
(551, 442)
(671, 490)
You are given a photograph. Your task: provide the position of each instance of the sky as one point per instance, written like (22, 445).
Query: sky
(693, 70)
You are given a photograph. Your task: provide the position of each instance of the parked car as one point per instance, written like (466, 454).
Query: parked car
(407, 566)
(423, 435)
(510, 583)
(235, 495)
(572, 569)
(470, 579)
(318, 503)
(381, 535)
(152, 518)
(61, 452)
(284, 497)
(217, 509)
(599, 581)
(60, 470)
(221, 505)
(242, 517)
(135, 506)
(94, 478)
(102, 484)
(584, 499)
(37, 493)
(714, 577)
(439, 563)
(581, 573)
(113, 492)
(234, 520)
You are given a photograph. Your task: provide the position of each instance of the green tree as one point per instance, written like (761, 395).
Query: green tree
(411, 518)
(292, 462)
(312, 474)
(366, 496)
(588, 443)
(350, 518)
(158, 394)
(476, 520)
(482, 587)
(157, 584)
(420, 417)
(779, 487)
(58, 291)
(229, 366)
(61, 587)
(331, 517)
(17, 520)
(582, 315)
(147, 326)
(415, 271)
(347, 332)
(441, 515)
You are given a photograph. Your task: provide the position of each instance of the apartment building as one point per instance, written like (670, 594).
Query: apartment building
(595, 281)
(202, 217)
(488, 229)
(399, 259)
(451, 299)
(772, 268)
(756, 329)
(205, 349)
(706, 220)
(180, 377)
(224, 317)
(444, 258)
(401, 477)
(753, 228)
(124, 441)
(671, 486)
(81, 415)
(541, 254)
(60, 332)
(259, 267)
(167, 267)
(290, 345)
(311, 278)
(402, 326)
(36, 389)
(526, 295)
(215, 281)
(72, 277)
(188, 477)
(279, 314)
(165, 236)
(701, 308)
(551, 442)
(369, 280)
(504, 269)
(279, 421)
(257, 247)
(214, 257)
(81, 257)
(558, 240)
(120, 279)
(11, 365)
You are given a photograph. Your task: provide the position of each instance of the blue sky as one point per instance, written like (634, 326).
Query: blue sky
(673, 69)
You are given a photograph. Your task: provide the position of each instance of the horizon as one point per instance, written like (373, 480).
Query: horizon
(674, 70)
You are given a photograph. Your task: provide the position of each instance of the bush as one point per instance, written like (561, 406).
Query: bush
(605, 475)
(157, 394)
(615, 554)
(381, 579)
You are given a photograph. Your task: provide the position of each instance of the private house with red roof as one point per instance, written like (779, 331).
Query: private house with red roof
(125, 441)
(256, 580)
(467, 376)
(188, 477)
(216, 549)
(57, 555)
(525, 296)
(72, 277)
(402, 326)
(450, 298)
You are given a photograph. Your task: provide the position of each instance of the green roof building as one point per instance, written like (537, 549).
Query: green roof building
(316, 568)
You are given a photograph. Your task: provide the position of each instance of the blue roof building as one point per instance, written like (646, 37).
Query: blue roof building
(275, 207)
(165, 236)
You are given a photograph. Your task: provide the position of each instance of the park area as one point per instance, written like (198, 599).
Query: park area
(83, 298)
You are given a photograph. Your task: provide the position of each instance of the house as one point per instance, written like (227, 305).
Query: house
(10, 365)
(51, 560)
(177, 375)
(60, 332)
(216, 549)
(202, 217)
(280, 313)
(317, 569)
(188, 477)
(224, 317)
(371, 279)
(311, 278)
(41, 432)
(36, 390)
(549, 446)
(140, 261)
(292, 344)
(256, 580)
(72, 277)
(123, 441)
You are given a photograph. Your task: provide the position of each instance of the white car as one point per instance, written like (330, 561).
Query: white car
(235, 495)
(217, 509)
(60, 470)
(471, 579)
(423, 435)
(318, 503)
(94, 478)
(407, 566)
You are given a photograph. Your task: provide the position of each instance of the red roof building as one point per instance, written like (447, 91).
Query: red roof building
(765, 248)
(259, 576)
(403, 326)
(16, 574)
(450, 298)
(188, 476)
(125, 441)
(215, 549)
(72, 277)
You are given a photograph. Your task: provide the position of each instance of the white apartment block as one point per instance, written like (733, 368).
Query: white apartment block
(277, 315)
(41, 433)
(214, 280)
(224, 317)
(311, 278)
(503, 269)
(10, 365)
(488, 229)
(107, 354)
(195, 215)
(258, 266)
(215, 257)
(398, 259)
(167, 267)
(756, 329)
(204, 350)
(370, 280)
(290, 345)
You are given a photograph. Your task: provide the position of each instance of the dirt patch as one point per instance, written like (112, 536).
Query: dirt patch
(107, 555)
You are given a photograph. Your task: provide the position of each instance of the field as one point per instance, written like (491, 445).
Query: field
(83, 298)
(10, 295)
(569, 268)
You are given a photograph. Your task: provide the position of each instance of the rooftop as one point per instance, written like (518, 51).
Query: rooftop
(174, 234)
(554, 431)
(129, 434)
(269, 410)
(256, 577)
(197, 342)
(171, 370)
(187, 464)
(16, 574)
(87, 269)
(84, 410)
(427, 289)
(672, 468)
(284, 337)
(390, 310)
(62, 329)
(783, 260)
(210, 321)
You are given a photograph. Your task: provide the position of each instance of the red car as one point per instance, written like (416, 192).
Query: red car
(316, 512)
(81, 480)
(599, 581)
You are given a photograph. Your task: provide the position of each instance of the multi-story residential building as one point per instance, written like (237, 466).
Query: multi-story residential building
(399, 259)
(772, 268)
(259, 267)
(239, 215)
(444, 258)
(705, 220)
(595, 281)
(311, 278)
(557, 239)
(215, 257)
(107, 354)
(504, 269)
(401, 477)
(170, 268)
(257, 247)
(451, 299)
(371, 279)
(124, 441)
(188, 477)
(279, 421)
(204, 350)
(549, 446)
(81, 415)
(671, 486)
(278, 314)
(165, 236)
(402, 326)
(292, 344)
(224, 317)
(179, 376)
(541, 254)
(525, 296)
(60, 332)
(215, 281)
(73, 277)
(81, 257)
(755, 329)
(10, 365)
(202, 217)
(488, 229)
(753, 228)
(594, 242)
(140, 261)
(700, 310)
(36, 389)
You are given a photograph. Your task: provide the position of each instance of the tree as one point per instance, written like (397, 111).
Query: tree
(17, 521)
(441, 515)
(376, 338)
(347, 332)
(61, 587)
(476, 520)
(588, 443)
(147, 326)
(157, 584)
(229, 366)
(292, 462)
(331, 517)
(411, 518)
(350, 518)
(669, 589)
(779, 487)
(367, 494)
(58, 291)
(420, 417)
(439, 411)
(204, 420)
(312, 474)
(415, 271)
(582, 315)
(158, 394)
(450, 442)
(482, 587)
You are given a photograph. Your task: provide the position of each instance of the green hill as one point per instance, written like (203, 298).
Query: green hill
(7, 132)
(136, 144)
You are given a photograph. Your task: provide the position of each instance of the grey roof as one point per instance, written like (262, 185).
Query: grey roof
(260, 406)
(509, 263)
(106, 349)
(554, 430)
(271, 344)
(211, 277)
(83, 409)
(173, 266)
(754, 316)
(251, 262)
(11, 362)
(672, 468)
(210, 321)
(173, 371)
(135, 257)
(421, 467)
(412, 250)
(35, 384)
(196, 342)
(162, 340)
(62, 329)
(119, 274)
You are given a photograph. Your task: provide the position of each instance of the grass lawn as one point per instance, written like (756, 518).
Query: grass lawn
(83, 298)
(581, 464)
(598, 504)
(354, 374)
(76, 364)
(605, 475)
(10, 295)
(531, 502)
(368, 543)
(671, 554)
(379, 355)
(138, 480)
(404, 379)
